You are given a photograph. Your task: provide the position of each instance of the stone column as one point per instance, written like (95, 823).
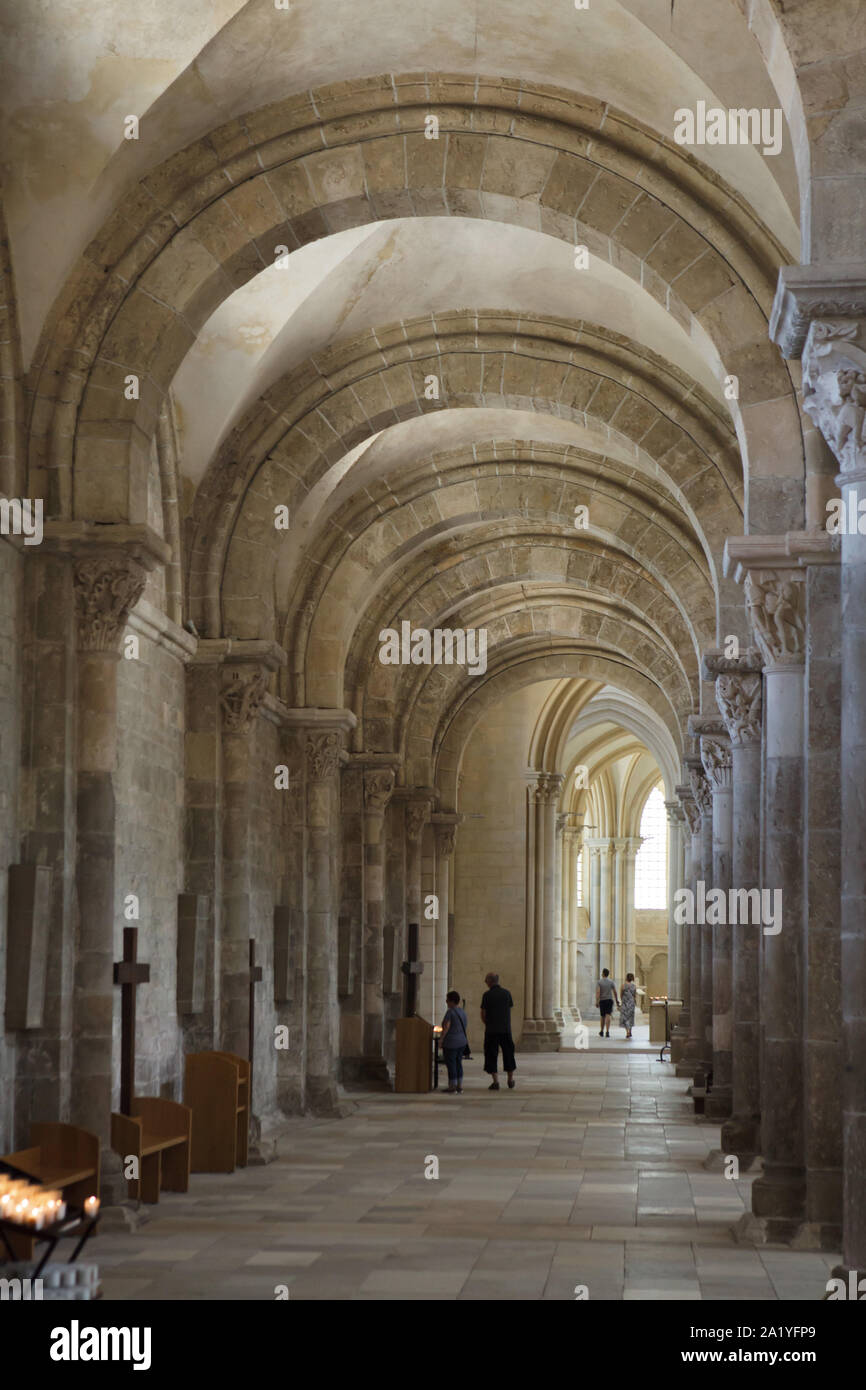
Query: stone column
(560, 911)
(718, 764)
(629, 855)
(821, 314)
(540, 1032)
(776, 601)
(107, 584)
(445, 832)
(702, 1026)
(324, 735)
(605, 906)
(675, 881)
(594, 906)
(418, 802)
(575, 850)
(686, 1052)
(834, 380)
(378, 789)
(739, 696)
(243, 685)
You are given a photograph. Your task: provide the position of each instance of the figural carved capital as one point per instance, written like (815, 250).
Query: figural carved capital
(718, 763)
(242, 693)
(378, 787)
(776, 604)
(834, 387)
(107, 585)
(701, 790)
(692, 815)
(322, 752)
(739, 696)
(417, 815)
(446, 839)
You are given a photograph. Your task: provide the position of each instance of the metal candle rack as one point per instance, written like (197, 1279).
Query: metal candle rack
(76, 1222)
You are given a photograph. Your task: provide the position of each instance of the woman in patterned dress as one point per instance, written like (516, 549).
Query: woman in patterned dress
(628, 995)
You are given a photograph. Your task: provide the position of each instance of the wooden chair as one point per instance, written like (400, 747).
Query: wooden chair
(217, 1088)
(158, 1134)
(60, 1156)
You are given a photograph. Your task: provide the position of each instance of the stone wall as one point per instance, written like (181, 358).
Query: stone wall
(490, 886)
(651, 950)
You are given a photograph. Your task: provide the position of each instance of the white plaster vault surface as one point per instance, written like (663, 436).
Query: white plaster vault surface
(333, 289)
(72, 73)
(590, 1172)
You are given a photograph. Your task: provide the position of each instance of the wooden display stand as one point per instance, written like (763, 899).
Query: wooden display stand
(217, 1089)
(414, 1059)
(61, 1156)
(157, 1133)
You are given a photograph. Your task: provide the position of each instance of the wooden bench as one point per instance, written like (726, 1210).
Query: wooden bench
(60, 1156)
(157, 1134)
(217, 1088)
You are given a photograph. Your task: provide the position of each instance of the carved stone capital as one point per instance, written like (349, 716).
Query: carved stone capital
(776, 603)
(107, 585)
(700, 787)
(242, 694)
(834, 387)
(718, 763)
(417, 816)
(322, 752)
(378, 788)
(739, 696)
(446, 839)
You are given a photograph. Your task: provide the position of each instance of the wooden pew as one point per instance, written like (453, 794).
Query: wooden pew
(60, 1156)
(217, 1087)
(158, 1134)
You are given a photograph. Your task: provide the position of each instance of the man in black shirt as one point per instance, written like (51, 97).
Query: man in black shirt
(496, 1006)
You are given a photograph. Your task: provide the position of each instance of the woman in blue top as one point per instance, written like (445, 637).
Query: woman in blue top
(454, 1040)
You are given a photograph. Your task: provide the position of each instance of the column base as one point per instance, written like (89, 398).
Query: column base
(763, 1230)
(113, 1186)
(720, 1102)
(741, 1135)
(779, 1201)
(375, 1074)
(540, 1035)
(818, 1235)
(323, 1098)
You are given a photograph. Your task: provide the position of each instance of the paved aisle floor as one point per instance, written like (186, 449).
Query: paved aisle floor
(589, 1173)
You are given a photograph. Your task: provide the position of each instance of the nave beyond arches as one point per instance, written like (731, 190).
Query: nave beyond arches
(436, 328)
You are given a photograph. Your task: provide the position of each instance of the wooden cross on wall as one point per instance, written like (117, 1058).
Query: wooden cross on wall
(129, 973)
(255, 978)
(411, 968)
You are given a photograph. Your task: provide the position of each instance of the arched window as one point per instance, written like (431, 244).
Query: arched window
(650, 869)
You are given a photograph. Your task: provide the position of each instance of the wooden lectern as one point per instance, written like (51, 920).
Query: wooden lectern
(414, 1060)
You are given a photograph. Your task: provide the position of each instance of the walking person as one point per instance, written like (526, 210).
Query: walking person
(627, 1005)
(454, 1042)
(605, 995)
(496, 1006)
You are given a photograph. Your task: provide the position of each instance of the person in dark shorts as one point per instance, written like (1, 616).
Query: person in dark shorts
(496, 1006)
(605, 994)
(454, 1042)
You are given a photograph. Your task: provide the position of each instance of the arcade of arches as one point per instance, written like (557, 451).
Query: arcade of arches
(392, 321)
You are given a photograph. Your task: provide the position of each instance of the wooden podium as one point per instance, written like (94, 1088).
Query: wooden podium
(414, 1059)
(217, 1090)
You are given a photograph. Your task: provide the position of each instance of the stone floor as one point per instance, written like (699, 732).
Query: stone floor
(590, 1173)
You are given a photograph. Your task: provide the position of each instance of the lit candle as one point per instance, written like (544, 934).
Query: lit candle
(91, 1206)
